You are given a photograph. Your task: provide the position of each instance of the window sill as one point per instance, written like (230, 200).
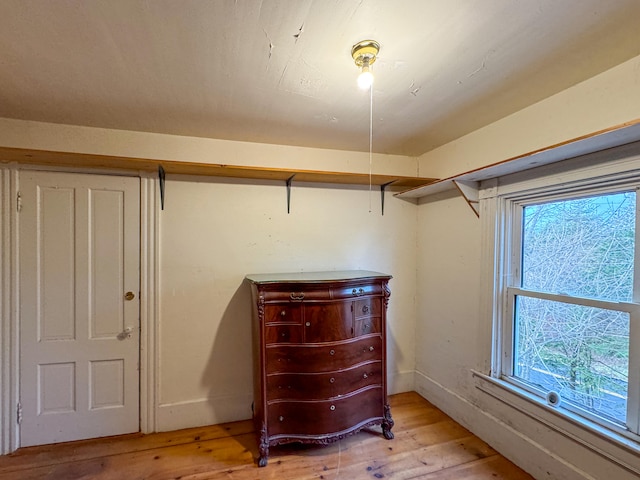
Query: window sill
(605, 443)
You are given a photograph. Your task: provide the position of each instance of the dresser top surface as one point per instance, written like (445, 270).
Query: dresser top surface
(313, 277)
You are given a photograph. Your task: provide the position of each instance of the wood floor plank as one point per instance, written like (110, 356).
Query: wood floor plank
(427, 444)
(493, 468)
(87, 449)
(420, 462)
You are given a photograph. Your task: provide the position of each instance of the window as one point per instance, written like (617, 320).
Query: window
(569, 313)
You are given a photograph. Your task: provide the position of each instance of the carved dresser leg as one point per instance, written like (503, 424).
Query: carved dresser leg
(387, 423)
(263, 447)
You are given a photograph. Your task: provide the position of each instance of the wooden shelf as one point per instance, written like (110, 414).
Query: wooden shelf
(468, 183)
(69, 159)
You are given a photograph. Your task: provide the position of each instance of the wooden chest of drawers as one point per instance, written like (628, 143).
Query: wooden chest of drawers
(319, 356)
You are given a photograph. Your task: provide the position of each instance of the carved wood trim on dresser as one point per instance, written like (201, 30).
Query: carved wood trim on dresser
(319, 347)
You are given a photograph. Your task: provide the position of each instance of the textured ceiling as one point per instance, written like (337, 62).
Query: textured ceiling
(280, 71)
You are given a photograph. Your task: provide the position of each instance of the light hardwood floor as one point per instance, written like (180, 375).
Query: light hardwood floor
(427, 445)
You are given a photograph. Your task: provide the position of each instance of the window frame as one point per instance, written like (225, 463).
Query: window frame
(502, 201)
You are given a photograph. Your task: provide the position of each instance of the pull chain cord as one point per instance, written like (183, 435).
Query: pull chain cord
(370, 140)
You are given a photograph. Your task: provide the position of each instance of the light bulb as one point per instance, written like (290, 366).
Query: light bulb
(365, 79)
(364, 54)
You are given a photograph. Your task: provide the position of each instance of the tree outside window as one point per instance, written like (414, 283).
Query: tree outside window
(575, 251)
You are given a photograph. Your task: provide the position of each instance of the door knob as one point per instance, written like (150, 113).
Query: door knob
(126, 333)
(129, 296)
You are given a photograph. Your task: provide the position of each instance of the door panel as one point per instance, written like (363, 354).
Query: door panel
(106, 281)
(56, 388)
(56, 265)
(106, 384)
(79, 337)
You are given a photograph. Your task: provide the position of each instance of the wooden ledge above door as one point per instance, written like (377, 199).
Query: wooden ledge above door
(70, 159)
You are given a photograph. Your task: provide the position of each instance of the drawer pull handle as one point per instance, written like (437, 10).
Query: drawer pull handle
(365, 376)
(283, 313)
(308, 324)
(367, 326)
(371, 349)
(332, 407)
(281, 418)
(357, 293)
(331, 380)
(332, 352)
(284, 334)
(297, 296)
(365, 309)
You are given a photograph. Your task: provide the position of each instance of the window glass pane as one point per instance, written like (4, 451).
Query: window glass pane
(581, 247)
(580, 352)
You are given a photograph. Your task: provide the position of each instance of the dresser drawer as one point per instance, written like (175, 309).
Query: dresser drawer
(361, 290)
(322, 358)
(367, 325)
(325, 417)
(327, 322)
(283, 313)
(283, 333)
(318, 386)
(366, 307)
(296, 293)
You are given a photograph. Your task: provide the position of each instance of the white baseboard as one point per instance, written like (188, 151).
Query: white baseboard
(401, 382)
(205, 411)
(521, 450)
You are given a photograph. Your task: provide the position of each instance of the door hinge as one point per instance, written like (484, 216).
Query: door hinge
(19, 413)
(19, 202)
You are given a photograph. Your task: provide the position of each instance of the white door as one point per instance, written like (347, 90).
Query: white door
(79, 242)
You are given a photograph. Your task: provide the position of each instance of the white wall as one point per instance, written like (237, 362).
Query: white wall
(450, 339)
(156, 146)
(215, 232)
(609, 99)
(453, 337)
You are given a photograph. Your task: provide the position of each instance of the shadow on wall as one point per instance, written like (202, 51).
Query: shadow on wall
(395, 357)
(395, 354)
(228, 374)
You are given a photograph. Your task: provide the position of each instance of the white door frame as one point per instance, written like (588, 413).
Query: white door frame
(9, 298)
(6, 353)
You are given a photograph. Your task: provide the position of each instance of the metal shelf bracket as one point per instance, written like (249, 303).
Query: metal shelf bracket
(288, 183)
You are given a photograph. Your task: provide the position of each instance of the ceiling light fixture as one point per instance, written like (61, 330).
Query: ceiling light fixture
(364, 54)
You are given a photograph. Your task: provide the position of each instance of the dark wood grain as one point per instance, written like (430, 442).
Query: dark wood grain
(327, 322)
(283, 313)
(320, 357)
(283, 333)
(367, 307)
(324, 418)
(367, 325)
(331, 381)
(301, 386)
